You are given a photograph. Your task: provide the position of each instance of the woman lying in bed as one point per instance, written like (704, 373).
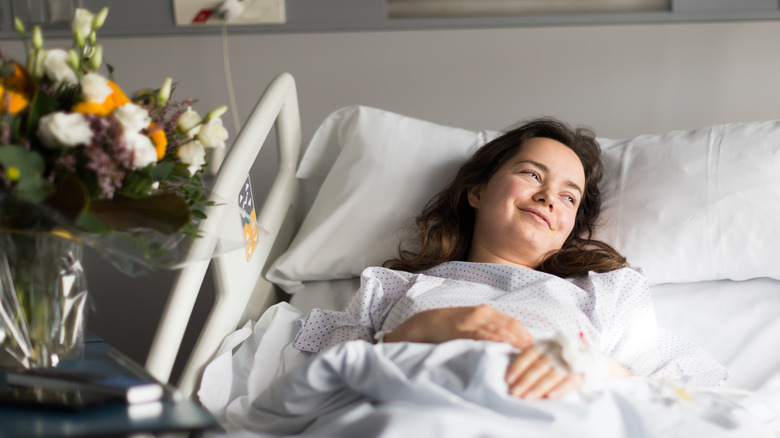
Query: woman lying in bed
(505, 254)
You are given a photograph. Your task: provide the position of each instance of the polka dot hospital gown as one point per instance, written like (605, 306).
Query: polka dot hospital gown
(613, 311)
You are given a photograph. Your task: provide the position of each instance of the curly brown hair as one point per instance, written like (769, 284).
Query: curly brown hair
(446, 224)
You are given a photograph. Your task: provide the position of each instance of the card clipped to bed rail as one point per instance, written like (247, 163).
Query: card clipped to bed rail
(248, 218)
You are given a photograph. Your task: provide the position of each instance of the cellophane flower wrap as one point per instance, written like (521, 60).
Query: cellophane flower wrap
(82, 163)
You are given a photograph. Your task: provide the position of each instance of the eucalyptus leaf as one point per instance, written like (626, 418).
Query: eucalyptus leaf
(27, 162)
(29, 186)
(33, 189)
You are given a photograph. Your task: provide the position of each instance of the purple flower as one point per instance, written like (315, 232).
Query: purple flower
(107, 155)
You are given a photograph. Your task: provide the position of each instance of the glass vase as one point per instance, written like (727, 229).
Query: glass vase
(43, 298)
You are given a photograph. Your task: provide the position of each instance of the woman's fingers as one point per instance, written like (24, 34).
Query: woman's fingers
(485, 323)
(531, 376)
(501, 334)
(530, 373)
(567, 385)
(541, 387)
(520, 364)
(518, 335)
(481, 323)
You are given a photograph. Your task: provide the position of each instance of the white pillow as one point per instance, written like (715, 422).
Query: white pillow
(696, 205)
(385, 168)
(684, 206)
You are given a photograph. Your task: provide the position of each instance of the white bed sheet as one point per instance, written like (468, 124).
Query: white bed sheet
(735, 321)
(458, 389)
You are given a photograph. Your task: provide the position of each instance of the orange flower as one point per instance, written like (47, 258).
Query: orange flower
(18, 81)
(14, 91)
(114, 100)
(100, 109)
(118, 97)
(11, 101)
(158, 138)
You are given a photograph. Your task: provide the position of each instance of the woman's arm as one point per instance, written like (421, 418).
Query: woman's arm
(363, 315)
(482, 323)
(530, 374)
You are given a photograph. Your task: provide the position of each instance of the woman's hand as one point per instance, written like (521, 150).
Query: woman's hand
(531, 375)
(482, 323)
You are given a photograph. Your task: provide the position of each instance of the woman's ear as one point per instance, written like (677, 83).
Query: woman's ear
(475, 196)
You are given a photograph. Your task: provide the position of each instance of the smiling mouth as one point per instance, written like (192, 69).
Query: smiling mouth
(538, 216)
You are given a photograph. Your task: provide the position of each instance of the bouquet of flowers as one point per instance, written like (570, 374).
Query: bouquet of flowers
(78, 158)
(72, 141)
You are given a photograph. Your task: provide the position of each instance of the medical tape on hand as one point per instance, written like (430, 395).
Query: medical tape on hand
(571, 355)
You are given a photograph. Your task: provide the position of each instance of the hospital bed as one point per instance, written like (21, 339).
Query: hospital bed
(696, 210)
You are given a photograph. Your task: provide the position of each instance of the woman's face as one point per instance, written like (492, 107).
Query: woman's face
(528, 207)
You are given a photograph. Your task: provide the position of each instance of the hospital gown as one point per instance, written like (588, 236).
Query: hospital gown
(611, 311)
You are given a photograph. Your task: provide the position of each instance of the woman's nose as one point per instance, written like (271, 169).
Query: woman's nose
(544, 198)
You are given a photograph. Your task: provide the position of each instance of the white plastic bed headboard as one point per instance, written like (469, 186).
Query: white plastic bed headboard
(241, 290)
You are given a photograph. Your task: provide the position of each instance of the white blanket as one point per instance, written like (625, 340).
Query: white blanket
(452, 389)
(457, 389)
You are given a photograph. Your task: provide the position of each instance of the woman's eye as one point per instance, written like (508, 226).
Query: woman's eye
(570, 199)
(532, 174)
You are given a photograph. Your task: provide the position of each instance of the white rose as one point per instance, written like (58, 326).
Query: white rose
(132, 117)
(188, 122)
(61, 129)
(193, 154)
(95, 88)
(82, 22)
(213, 134)
(55, 65)
(142, 148)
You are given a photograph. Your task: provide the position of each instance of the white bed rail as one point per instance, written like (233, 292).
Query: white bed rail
(235, 276)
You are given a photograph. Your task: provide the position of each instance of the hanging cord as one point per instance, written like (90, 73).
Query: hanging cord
(229, 78)
(218, 154)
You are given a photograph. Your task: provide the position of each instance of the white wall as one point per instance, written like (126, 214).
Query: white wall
(620, 80)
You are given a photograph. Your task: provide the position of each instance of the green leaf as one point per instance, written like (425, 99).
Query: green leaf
(29, 185)
(41, 105)
(161, 170)
(33, 189)
(164, 212)
(110, 69)
(27, 162)
(136, 184)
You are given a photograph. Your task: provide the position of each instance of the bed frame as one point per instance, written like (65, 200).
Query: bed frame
(242, 293)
